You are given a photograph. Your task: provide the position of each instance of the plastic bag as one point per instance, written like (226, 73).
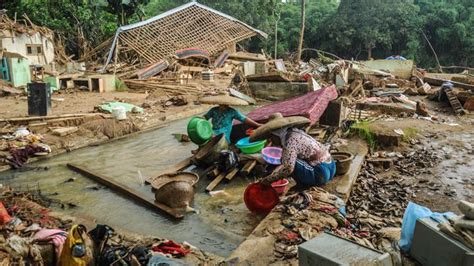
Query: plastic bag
(77, 249)
(413, 212)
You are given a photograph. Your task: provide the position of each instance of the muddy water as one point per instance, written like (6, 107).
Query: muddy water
(223, 221)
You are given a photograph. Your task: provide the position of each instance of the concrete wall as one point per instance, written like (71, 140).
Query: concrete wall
(18, 45)
(19, 71)
(399, 68)
(276, 91)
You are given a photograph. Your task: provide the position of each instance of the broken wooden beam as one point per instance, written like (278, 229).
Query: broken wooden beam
(152, 70)
(248, 167)
(63, 131)
(439, 82)
(232, 174)
(125, 191)
(32, 118)
(242, 96)
(215, 182)
(242, 56)
(220, 60)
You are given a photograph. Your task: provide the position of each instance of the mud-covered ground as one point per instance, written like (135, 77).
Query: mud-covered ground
(448, 176)
(159, 109)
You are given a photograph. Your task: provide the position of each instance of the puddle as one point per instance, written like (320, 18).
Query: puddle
(223, 222)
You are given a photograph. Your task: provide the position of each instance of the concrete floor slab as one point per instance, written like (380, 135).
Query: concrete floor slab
(342, 185)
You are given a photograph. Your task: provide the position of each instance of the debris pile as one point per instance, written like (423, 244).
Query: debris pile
(302, 216)
(461, 228)
(17, 147)
(32, 236)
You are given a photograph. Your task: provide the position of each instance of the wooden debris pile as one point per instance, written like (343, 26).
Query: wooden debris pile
(188, 72)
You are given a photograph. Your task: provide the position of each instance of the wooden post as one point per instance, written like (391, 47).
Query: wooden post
(125, 191)
(117, 47)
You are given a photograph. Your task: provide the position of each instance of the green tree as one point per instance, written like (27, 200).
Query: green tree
(126, 9)
(363, 25)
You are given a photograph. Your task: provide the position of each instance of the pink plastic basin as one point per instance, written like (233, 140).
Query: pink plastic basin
(272, 155)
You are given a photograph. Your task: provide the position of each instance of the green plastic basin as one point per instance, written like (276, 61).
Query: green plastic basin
(248, 147)
(199, 130)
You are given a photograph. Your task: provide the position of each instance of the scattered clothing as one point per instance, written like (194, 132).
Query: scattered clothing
(55, 236)
(172, 248)
(222, 120)
(19, 156)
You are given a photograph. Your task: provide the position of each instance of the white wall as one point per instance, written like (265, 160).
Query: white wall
(19, 42)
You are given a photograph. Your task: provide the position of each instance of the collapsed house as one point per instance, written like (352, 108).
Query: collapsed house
(23, 45)
(192, 25)
(28, 40)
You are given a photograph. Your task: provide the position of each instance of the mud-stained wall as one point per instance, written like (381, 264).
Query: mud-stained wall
(20, 42)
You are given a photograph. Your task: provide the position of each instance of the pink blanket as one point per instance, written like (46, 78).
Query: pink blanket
(311, 105)
(54, 236)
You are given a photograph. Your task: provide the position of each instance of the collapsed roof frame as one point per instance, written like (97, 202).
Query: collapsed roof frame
(152, 41)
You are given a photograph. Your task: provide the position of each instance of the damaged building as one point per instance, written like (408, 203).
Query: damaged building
(192, 25)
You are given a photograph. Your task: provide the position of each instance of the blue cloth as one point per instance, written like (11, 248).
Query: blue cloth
(413, 212)
(222, 121)
(318, 175)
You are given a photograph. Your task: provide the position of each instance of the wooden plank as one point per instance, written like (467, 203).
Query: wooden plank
(439, 82)
(247, 56)
(215, 182)
(242, 96)
(125, 191)
(152, 70)
(214, 173)
(280, 65)
(63, 131)
(31, 118)
(248, 167)
(220, 60)
(231, 174)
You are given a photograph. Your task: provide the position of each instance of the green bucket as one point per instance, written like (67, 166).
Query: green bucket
(199, 130)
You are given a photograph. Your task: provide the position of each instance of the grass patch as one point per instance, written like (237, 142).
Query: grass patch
(120, 86)
(364, 130)
(409, 133)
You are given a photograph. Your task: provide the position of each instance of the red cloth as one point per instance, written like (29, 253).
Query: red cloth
(311, 105)
(4, 216)
(170, 247)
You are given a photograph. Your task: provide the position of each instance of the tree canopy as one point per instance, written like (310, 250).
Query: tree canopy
(349, 28)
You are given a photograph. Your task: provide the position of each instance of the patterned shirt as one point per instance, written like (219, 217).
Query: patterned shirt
(299, 146)
(222, 121)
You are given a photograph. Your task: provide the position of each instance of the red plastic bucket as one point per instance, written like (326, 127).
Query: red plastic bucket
(280, 186)
(260, 198)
